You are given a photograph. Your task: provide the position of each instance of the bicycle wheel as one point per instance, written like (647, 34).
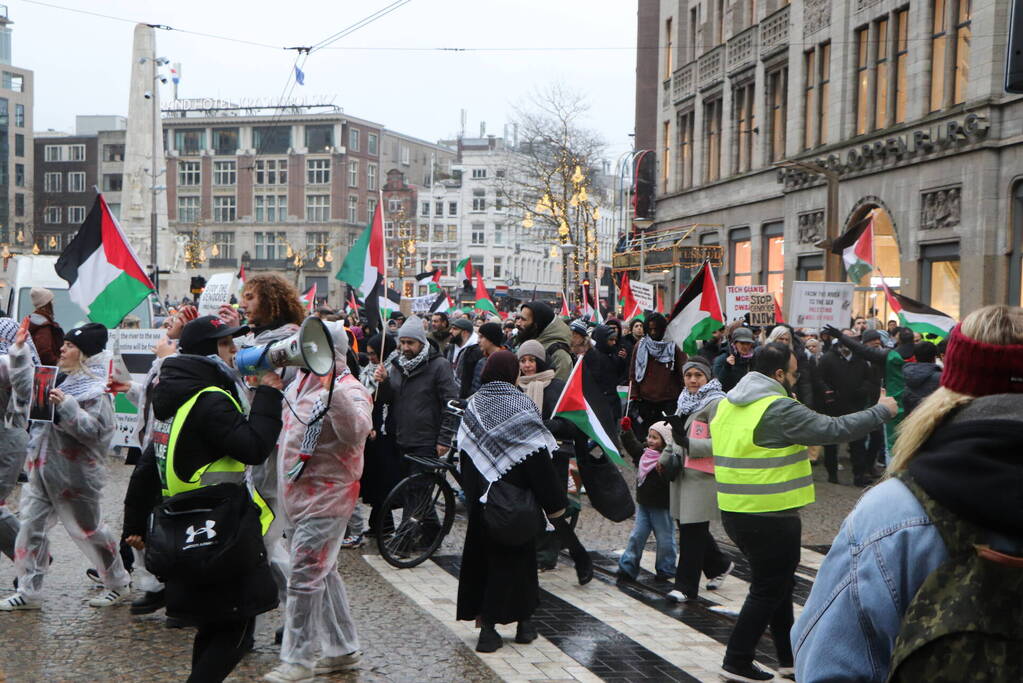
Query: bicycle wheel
(414, 519)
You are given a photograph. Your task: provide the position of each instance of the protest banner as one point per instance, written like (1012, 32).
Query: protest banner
(761, 310)
(217, 293)
(643, 293)
(816, 304)
(737, 300)
(135, 348)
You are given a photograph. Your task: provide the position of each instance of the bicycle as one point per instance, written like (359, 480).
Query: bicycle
(426, 501)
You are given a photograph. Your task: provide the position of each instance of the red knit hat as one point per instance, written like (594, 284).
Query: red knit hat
(188, 313)
(978, 369)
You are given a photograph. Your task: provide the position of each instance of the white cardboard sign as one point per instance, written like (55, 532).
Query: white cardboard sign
(217, 293)
(643, 293)
(816, 304)
(737, 299)
(136, 349)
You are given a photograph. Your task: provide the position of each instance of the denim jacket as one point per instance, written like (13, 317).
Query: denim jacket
(884, 551)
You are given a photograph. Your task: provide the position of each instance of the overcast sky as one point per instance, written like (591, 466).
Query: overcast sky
(82, 62)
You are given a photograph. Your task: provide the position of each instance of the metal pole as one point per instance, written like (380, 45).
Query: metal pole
(153, 172)
(429, 238)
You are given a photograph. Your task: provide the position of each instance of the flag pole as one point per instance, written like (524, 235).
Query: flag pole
(383, 264)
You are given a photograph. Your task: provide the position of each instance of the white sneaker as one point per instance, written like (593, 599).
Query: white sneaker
(329, 665)
(111, 597)
(716, 582)
(678, 596)
(290, 673)
(18, 602)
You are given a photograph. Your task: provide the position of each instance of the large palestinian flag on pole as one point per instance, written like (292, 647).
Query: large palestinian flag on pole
(697, 313)
(103, 273)
(366, 262)
(483, 302)
(917, 316)
(583, 404)
(630, 308)
(856, 247)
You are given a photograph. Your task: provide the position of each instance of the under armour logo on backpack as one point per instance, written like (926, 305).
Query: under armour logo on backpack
(207, 530)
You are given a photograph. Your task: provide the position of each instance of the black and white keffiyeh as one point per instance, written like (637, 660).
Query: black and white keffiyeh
(409, 365)
(662, 351)
(314, 426)
(500, 428)
(9, 328)
(89, 381)
(690, 403)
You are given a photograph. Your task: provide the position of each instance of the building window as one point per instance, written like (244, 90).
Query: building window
(881, 67)
(353, 173)
(810, 268)
(498, 234)
(712, 140)
(53, 153)
(479, 200)
(940, 277)
(75, 214)
(809, 98)
(862, 79)
(741, 257)
(394, 206)
(498, 263)
(52, 181)
(271, 171)
(19, 115)
(777, 86)
(424, 209)
(271, 139)
(371, 208)
(353, 209)
(742, 106)
(438, 209)
(694, 27)
(113, 152)
(52, 215)
(498, 202)
(317, 171)
(19, 145)
(406, 155)
(317, 241)
(371, 176)
(371, 143)
(271, 246)
(319, 138)
(478, 235)
(271, 208)
(452, 208)
(19, 205)
(719, 24)
(666, 157)
(686, 123)
(112, 182)
(19, 175)
(823, 93)
(225, 172)
(964, 36)
(13, 82)
(188, 209)
(189, 142)
(388, 230)
(938, 47)
(225, 141)
(773, 257)
(76, 181)
(317, 208)
(452, 234)
(224, 209)
(225, 244)
(479, 173)
(901, 56)
(669, 48)
(188, 173)
(353, 139)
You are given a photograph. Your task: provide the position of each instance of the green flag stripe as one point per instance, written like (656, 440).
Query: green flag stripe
(582, 420)
(117, 300)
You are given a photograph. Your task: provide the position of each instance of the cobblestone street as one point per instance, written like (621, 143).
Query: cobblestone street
(406, 618)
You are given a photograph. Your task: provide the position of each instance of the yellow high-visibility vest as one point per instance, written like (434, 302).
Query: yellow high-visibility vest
(751, 478)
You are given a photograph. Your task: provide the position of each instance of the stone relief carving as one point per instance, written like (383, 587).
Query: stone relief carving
(940, 208)
(816, 15)
(811, 227)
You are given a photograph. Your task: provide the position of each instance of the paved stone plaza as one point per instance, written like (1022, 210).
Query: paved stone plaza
(406, 618)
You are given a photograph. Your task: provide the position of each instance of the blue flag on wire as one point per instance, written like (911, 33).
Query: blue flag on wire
(299, 76)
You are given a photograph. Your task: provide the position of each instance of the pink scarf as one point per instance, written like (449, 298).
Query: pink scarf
(647, 462)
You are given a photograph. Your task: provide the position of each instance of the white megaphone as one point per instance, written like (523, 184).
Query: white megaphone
(310, 348)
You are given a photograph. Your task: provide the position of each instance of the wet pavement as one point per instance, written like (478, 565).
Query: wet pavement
(405, 618)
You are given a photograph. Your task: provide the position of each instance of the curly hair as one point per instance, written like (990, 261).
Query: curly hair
(278, 299)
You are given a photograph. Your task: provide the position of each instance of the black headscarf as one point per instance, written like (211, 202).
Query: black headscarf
(543, 314)
(374, 343)
(502, 366)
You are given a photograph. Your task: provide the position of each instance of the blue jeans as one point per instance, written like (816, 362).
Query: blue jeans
(647, 520)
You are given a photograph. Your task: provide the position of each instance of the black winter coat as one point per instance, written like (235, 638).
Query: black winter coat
(419, 401)
(846, 384)
(921, 381)
(654, 491)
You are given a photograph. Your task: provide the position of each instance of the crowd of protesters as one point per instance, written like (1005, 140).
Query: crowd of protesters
(729, 432)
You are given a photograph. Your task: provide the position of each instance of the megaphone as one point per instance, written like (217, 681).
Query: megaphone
(310, 348)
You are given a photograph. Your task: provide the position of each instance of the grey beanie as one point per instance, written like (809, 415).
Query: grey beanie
(413, 329)
(698, 364)
(462, 324)
(532, 348)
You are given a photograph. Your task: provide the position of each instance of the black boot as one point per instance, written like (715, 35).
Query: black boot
(279, 636)
(490, 640)
(525, 633)
(583, 563)
(148, 603)
(583, 567)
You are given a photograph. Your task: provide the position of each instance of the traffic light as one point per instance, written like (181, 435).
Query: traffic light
(198, 284)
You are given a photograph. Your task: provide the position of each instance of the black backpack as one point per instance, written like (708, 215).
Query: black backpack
(965, 623)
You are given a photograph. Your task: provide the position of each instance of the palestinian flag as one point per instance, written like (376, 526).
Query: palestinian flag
(483, 302)
(660, 302)
(441, 304)
(353, 304)
(630, 309)
(431, 278)
(697, 313)
(917, 316)
(366, 261)
(309, 298)
(103, 273)
(565, 313)
(240, 280)
(857, 249)
(583, 404)
(778, 316)
(465, 264)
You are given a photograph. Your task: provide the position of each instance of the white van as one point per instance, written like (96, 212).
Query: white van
(25, 272)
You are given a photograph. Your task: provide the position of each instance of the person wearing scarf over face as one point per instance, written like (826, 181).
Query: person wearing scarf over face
(693, 494)
(13, 437)
(502, 436)
(66, 460)
(318, 471)
(655, 377)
